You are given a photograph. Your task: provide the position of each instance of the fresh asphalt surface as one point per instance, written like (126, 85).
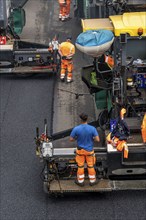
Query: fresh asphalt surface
(24, 103)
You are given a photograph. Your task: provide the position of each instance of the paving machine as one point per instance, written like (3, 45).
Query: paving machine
(123, 85)
(17, 56)
(114, 172)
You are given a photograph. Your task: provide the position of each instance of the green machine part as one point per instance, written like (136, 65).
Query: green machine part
(103, 100)
(18, 20)
(102, 97)
(100, 88)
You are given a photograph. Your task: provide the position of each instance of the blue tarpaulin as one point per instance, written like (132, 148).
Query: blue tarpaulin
(94, 38)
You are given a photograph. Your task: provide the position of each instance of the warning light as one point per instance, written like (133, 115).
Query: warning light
(140, 31)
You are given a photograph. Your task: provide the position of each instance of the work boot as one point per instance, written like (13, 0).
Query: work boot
(79, 184)
(62, 79)
(69, 80)
(63, 18)
(60, 17)
(94, 183)
(67, 17)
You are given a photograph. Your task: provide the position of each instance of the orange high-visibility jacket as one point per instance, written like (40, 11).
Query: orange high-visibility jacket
(67, 48)
(143, 128)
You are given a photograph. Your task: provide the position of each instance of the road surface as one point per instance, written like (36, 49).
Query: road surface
(24, 103)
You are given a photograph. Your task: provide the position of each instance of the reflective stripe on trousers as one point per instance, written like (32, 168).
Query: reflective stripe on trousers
(83, 156)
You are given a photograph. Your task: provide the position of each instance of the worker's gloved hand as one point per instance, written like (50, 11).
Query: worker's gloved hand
(63, 57)
(122, 113)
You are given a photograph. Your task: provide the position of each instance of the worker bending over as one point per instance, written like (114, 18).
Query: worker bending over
(118, 137)
(66, 51)
(85, 135)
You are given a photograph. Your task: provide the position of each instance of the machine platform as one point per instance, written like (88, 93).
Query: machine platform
(29, 69)
(103, 186)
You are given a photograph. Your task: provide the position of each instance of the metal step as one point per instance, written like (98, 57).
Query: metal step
(70, 186)
(104, 185)
(134, 123)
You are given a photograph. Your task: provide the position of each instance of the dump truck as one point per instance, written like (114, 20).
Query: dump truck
(17, 56)
(122, 85)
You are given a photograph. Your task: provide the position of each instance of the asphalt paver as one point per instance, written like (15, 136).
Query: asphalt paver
(24, 103)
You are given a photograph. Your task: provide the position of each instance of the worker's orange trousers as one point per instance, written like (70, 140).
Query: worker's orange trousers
(62, 11)
(68, 7)
(66, 65)
(143, 129)
(65, 8)
(83, 156)
(121, 145)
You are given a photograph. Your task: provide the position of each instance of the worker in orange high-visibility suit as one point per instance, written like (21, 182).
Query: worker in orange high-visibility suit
(143, 128)
(62, 10)
(66, 51)
(119, 144)
(118, 137)
(85, 135)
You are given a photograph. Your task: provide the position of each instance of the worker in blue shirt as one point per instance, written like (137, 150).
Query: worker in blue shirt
(85, 135)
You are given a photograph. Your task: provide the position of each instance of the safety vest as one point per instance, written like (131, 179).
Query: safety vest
(143, 128)
(67, 48)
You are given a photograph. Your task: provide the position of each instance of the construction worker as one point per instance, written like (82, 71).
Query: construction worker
(54, 44)
(118, 137)
(143, 128)
(62, 10)
(53, 48)
(85, 135)
(64, 13)
(66, 51)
